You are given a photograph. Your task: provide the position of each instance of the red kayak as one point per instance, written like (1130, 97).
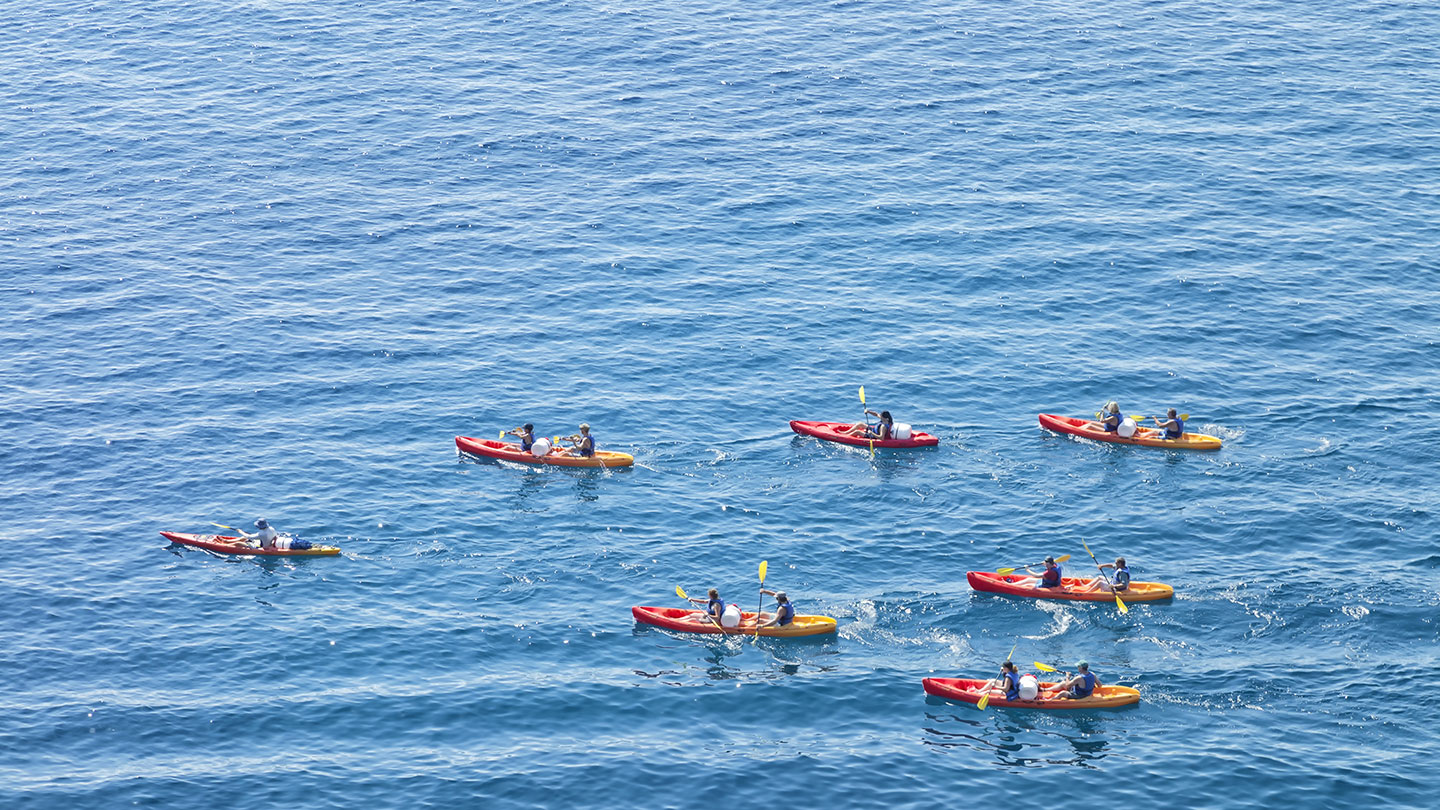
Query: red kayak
(835, 432)
(509, 451)
(1070, 588)
(234, 545)
(689, 620)
(968, 690)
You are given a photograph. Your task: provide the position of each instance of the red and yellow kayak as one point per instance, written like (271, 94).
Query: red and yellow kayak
(969, 691)
(835, 432)
(509, 451)
(234, 545)
(1070, 588)
(1147, 437)
(688, 620)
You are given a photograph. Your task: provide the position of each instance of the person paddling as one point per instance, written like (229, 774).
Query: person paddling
(1110, 417)
(1173, 425)
(582, 444)
(884, 429)
(714, 605)
(1049, 578)
(267, 538)
(1119, 581)
(1007, 681)
(1083, 685)
(784, 611)
(526, 435)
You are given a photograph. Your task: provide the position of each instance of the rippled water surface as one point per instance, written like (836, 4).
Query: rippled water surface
(270, 258)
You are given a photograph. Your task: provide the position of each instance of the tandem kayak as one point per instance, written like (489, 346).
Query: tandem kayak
(1069, 588)
(234, 545)
(835, 432)
(1147, 437)
(968, 690)
(509, 451)
(688, 620)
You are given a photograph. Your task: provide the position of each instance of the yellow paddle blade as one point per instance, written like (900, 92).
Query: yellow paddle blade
(1045, 667)
(984, 701)
(1012, 651)
(502, 435)
(223, 526)
(680, 592)
(1005, 570)
(862, 395)
(764, 566)
(1120, 604)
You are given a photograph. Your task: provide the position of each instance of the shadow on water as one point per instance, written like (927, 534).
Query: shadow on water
(788, 656)
(1015, 737)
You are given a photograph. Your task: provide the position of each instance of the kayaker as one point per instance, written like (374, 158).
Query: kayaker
(1008, 681)
(1081, 686)
(881, 431)
(268, 539)
(1049, 578)
(526, 435)
(714, 605)
(1110, 417)
(582, 444)
(784, 610)
(1173, 425)
(1119, 582)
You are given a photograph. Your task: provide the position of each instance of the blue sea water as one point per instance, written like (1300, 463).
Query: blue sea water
(270, 258)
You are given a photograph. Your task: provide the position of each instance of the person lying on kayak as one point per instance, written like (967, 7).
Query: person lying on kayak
(885, 429)
(1008, 681)
(1080, 686)
(1049, 578)
(1174, 426)
(1110, 417)
(1119, 581)
(582, 444)
(526, 435)
(267, 538)
(784, 611)
(714, 605)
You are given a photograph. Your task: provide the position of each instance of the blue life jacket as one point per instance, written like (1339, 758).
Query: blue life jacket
(526, 442)
(586, 447)
(786, 612)
(1105, 421)
(715, 607)
(884, 431)
(1084, 690)
(1122, 579)
(1048, 580)
(1177, 431)
(1011, 685)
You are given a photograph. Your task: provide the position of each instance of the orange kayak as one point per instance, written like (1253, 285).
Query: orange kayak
(509, 451)
(1146, 437)
(689, 620)
(1070, 588)
(234, 545)
(969, 691)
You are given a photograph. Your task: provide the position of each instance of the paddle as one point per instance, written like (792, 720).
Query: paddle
(985, 698)
(1138, 417)
(1118, 603)
(223, 526)
(1060, 559)
(866, 416)
(680, 592)
(764, 566)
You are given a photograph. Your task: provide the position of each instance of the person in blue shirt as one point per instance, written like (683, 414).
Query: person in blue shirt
(1007, 681)
(1119, 581)
(882, 430)
(1173, 425)
(525, 434)
(582, 444)
(1082, 685)
(1110, 417)
(784, 611)
(714, 605)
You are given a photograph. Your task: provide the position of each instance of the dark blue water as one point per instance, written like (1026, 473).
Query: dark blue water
(269, 258)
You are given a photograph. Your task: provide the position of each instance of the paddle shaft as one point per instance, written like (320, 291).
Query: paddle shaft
(1098, 567)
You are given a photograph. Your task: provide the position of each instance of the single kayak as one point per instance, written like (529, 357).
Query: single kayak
(1070, 588)
(235, 545)
(969, 690)
(835, 432)
(509, 451)
(1147, 437)
(689, 620)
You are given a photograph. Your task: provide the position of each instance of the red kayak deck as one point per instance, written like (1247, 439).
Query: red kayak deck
(509, 451)
(689, 620)
(969, 691)
(835, 432)
(1145, 437)
(234, 545)
(1070, 588)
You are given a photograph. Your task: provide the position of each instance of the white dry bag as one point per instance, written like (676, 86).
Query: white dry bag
(731, 616)
(541, 447)
(1127, 428)
(899, 430)
(1029, 687)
